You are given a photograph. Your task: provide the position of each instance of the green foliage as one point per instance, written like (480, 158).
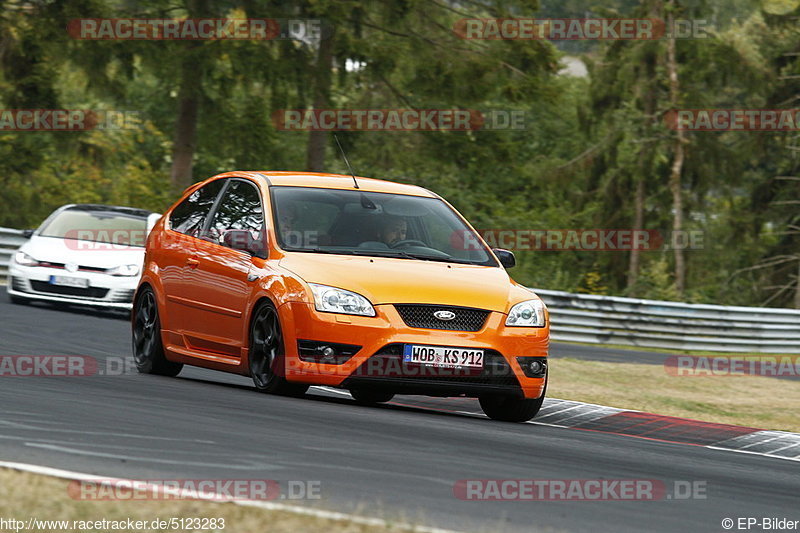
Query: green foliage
(587, 142)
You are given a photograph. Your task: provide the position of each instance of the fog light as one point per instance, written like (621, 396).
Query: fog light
(533, 367)
(329, 353)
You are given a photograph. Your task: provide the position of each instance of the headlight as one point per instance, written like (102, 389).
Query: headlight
(21, 258)
(529, 313)
(333, 300)
(124, 270)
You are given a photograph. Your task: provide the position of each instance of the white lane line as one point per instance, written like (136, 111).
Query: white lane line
(28, 427)
(762, 454)
(759, 442)
(792, 445)
(334, 391)
(216, 498)
(596, 414)
(549, 414)
(76, 451)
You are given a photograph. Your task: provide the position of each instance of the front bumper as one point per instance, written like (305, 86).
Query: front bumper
(381, 338)
(114, 292)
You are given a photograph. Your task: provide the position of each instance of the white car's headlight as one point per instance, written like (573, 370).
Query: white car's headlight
(21, 258)
(124, 270)
(529, 313)
(333, 300)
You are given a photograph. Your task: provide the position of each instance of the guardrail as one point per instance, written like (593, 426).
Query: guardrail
(594, 319)
(10, 240)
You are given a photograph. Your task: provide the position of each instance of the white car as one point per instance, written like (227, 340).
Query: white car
(83, 254)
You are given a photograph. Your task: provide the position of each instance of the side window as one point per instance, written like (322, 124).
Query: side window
(240, 208)
(189, 215)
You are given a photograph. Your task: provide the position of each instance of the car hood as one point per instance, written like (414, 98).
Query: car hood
(389, 280)
(83, 253)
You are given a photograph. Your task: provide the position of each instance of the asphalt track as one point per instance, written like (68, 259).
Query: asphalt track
(399, 461)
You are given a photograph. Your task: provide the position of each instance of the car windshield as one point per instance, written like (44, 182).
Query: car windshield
(353, 222)
(112, 227)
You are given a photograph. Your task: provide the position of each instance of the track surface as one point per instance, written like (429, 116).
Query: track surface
(398, 461)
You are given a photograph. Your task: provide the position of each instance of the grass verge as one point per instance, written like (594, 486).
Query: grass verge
(766, 403)
(24, 496)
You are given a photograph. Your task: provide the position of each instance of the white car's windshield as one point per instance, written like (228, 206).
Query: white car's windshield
(97, 226)
(376, 224)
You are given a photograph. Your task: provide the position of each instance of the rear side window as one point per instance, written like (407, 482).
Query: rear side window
(240, 208)
(188, 217)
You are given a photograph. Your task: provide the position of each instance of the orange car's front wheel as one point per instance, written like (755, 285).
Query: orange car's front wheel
(508, 409)
(267, 354)
(148, 349)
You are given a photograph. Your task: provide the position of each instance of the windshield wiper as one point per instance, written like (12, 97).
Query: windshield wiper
(319, 251)
(380, 253)
(420, 257)
(442, 259)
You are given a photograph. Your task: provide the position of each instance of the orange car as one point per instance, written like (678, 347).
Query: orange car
(300, 279)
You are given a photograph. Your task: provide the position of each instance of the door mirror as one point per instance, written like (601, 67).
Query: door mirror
(28, 233)
(506, 257)
(242, 239)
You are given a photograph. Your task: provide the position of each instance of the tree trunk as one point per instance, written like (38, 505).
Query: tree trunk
(185, 140)
(317, 140)
(638, 224)
(675, 184)
(647, 81)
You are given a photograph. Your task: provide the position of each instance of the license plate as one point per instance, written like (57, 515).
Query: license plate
(440, 356)
(66, 281)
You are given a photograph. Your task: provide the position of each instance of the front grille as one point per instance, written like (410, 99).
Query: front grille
(90, 292)
(422, 316)
(388, 363)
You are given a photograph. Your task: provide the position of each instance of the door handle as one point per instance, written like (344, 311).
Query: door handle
(192, 263)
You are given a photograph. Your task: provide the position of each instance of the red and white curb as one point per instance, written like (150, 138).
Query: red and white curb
(578, 415)
(613, 420)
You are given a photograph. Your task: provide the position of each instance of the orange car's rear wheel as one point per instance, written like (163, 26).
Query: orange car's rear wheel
(267, 354)
(148, 349)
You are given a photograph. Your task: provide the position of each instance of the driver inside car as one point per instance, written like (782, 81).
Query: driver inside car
(393, 229)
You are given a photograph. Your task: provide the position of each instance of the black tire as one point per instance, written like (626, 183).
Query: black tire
(510, 409)
(369, 397)
(148, 348)
(267, 354)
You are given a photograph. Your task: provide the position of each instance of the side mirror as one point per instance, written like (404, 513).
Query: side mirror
(242, 239)
(28, 233)
(506, 257)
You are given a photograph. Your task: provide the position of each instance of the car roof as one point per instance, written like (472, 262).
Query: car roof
(131, 211)
(341, 181)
